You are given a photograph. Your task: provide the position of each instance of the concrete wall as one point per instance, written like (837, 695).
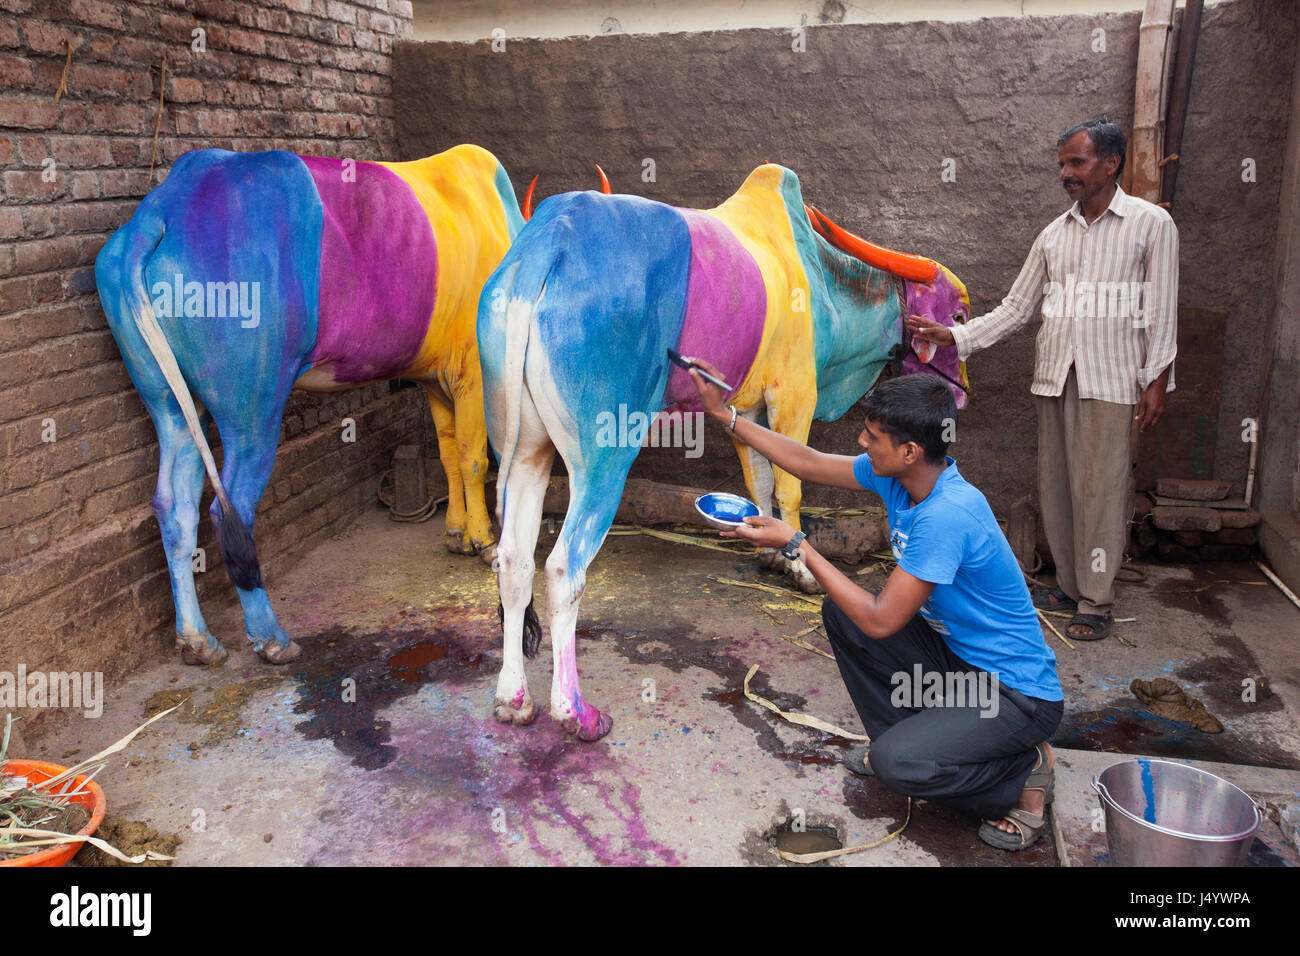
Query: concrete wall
(867, 115)
(83, 584)
(1279, 453)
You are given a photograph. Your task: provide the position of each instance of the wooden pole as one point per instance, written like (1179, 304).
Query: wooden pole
(1145, 146)
(1179, 92)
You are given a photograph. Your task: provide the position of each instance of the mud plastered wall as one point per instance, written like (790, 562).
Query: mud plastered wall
(870, 117)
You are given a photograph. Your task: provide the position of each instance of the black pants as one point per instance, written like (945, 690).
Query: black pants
(967, 754)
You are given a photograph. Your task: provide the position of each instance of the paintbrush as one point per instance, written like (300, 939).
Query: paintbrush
(688, 365)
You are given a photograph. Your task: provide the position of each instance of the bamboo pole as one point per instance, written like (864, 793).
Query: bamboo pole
(1142, 171)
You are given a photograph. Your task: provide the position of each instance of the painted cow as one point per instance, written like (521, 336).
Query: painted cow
(245, 275)
(577, 320)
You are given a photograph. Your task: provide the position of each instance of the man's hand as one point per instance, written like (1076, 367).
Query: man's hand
(711, 395)
(763, 531)
(1152, 404)
(930, 331)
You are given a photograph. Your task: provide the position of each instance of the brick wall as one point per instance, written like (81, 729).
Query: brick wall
(83, 584)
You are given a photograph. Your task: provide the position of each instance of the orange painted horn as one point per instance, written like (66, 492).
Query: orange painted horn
(916, 268)
(528, 198)
(604, 181)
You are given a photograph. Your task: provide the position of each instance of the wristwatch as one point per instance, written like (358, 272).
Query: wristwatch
(791, 550)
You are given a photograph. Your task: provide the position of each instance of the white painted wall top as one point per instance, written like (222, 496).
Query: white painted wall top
(467, 21)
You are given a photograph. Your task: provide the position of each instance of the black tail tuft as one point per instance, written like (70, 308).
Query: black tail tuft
(238, 551)
(532, 632)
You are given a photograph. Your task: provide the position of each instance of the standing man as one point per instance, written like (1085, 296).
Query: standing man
(1106, 272)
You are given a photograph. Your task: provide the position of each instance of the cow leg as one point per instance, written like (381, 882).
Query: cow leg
(471, 442)
(592, 506)
(527, 478)
(757, 472)
(249, 455)
(176, 506)
(791, 415)
(444, 419)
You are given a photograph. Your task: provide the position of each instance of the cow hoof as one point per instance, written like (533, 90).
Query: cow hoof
(808, 584)
(212, 653)
(488, 555)
(457, 543)
(273, 653)
(768, 558)
(520, 715)
(589, 729)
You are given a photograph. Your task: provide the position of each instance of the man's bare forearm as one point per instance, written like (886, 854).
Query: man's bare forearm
(786, 453)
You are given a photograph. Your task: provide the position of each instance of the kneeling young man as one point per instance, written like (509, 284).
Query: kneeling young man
(954, 617)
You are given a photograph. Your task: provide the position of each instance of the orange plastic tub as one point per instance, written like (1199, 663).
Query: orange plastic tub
(94, 801)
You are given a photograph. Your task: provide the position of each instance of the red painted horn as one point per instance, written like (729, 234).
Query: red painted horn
(604, 181)
(916, 268)
(528, 198)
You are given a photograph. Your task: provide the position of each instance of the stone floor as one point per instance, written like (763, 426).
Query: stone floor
(266, 765)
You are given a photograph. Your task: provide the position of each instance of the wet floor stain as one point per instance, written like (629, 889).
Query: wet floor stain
(346, 679)
(1125, 727)
(948, 835)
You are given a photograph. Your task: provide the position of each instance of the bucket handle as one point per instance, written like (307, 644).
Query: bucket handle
(1259, 806)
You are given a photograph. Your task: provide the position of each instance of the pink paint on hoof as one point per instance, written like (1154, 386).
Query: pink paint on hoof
(589, 724)
(520, 711)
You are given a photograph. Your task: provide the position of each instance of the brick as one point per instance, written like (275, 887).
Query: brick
(96, 13)
(1188, 489)
(92, 78)
(28, 113)
(1236, 536)
(1169, 518)
(16, 71)
(1171, 551)
(1224, 552)
(1190, 539)
(1239, 518)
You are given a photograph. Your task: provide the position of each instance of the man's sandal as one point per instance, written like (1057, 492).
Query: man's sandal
(858, 762)
(1029, 826)
(1055, 600)
(1101, 626)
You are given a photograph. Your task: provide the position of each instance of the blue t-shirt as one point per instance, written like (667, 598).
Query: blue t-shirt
(980, 603)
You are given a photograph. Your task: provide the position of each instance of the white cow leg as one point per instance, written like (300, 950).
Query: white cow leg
(528, 476)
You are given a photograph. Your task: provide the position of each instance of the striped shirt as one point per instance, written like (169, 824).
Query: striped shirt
(1108, 295)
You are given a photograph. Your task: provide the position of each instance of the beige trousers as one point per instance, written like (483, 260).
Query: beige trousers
(1085, 488)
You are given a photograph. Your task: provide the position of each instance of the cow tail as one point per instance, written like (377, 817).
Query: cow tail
(123, 265)
(523, 301)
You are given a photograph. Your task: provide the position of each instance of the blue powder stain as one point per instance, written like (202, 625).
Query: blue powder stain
(686, 730)
(1148, 791)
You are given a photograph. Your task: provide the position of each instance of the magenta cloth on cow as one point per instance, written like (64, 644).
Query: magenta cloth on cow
(725, 308)
(378, 271)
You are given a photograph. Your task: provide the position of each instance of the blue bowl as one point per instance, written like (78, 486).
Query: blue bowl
(725, 511)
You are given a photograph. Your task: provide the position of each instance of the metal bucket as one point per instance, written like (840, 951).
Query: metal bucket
(1160, 813)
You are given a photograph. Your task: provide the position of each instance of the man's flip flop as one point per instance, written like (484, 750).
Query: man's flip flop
(1101, 626)
(1055, 600)
(857, 761)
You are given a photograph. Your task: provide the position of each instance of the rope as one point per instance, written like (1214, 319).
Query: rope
(422, 513)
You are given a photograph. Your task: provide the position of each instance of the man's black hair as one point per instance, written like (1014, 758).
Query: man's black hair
(1107, 139)
(916, 407)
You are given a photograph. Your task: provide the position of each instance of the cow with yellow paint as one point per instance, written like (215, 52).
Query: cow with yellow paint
(246, 275)
(575, 325)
